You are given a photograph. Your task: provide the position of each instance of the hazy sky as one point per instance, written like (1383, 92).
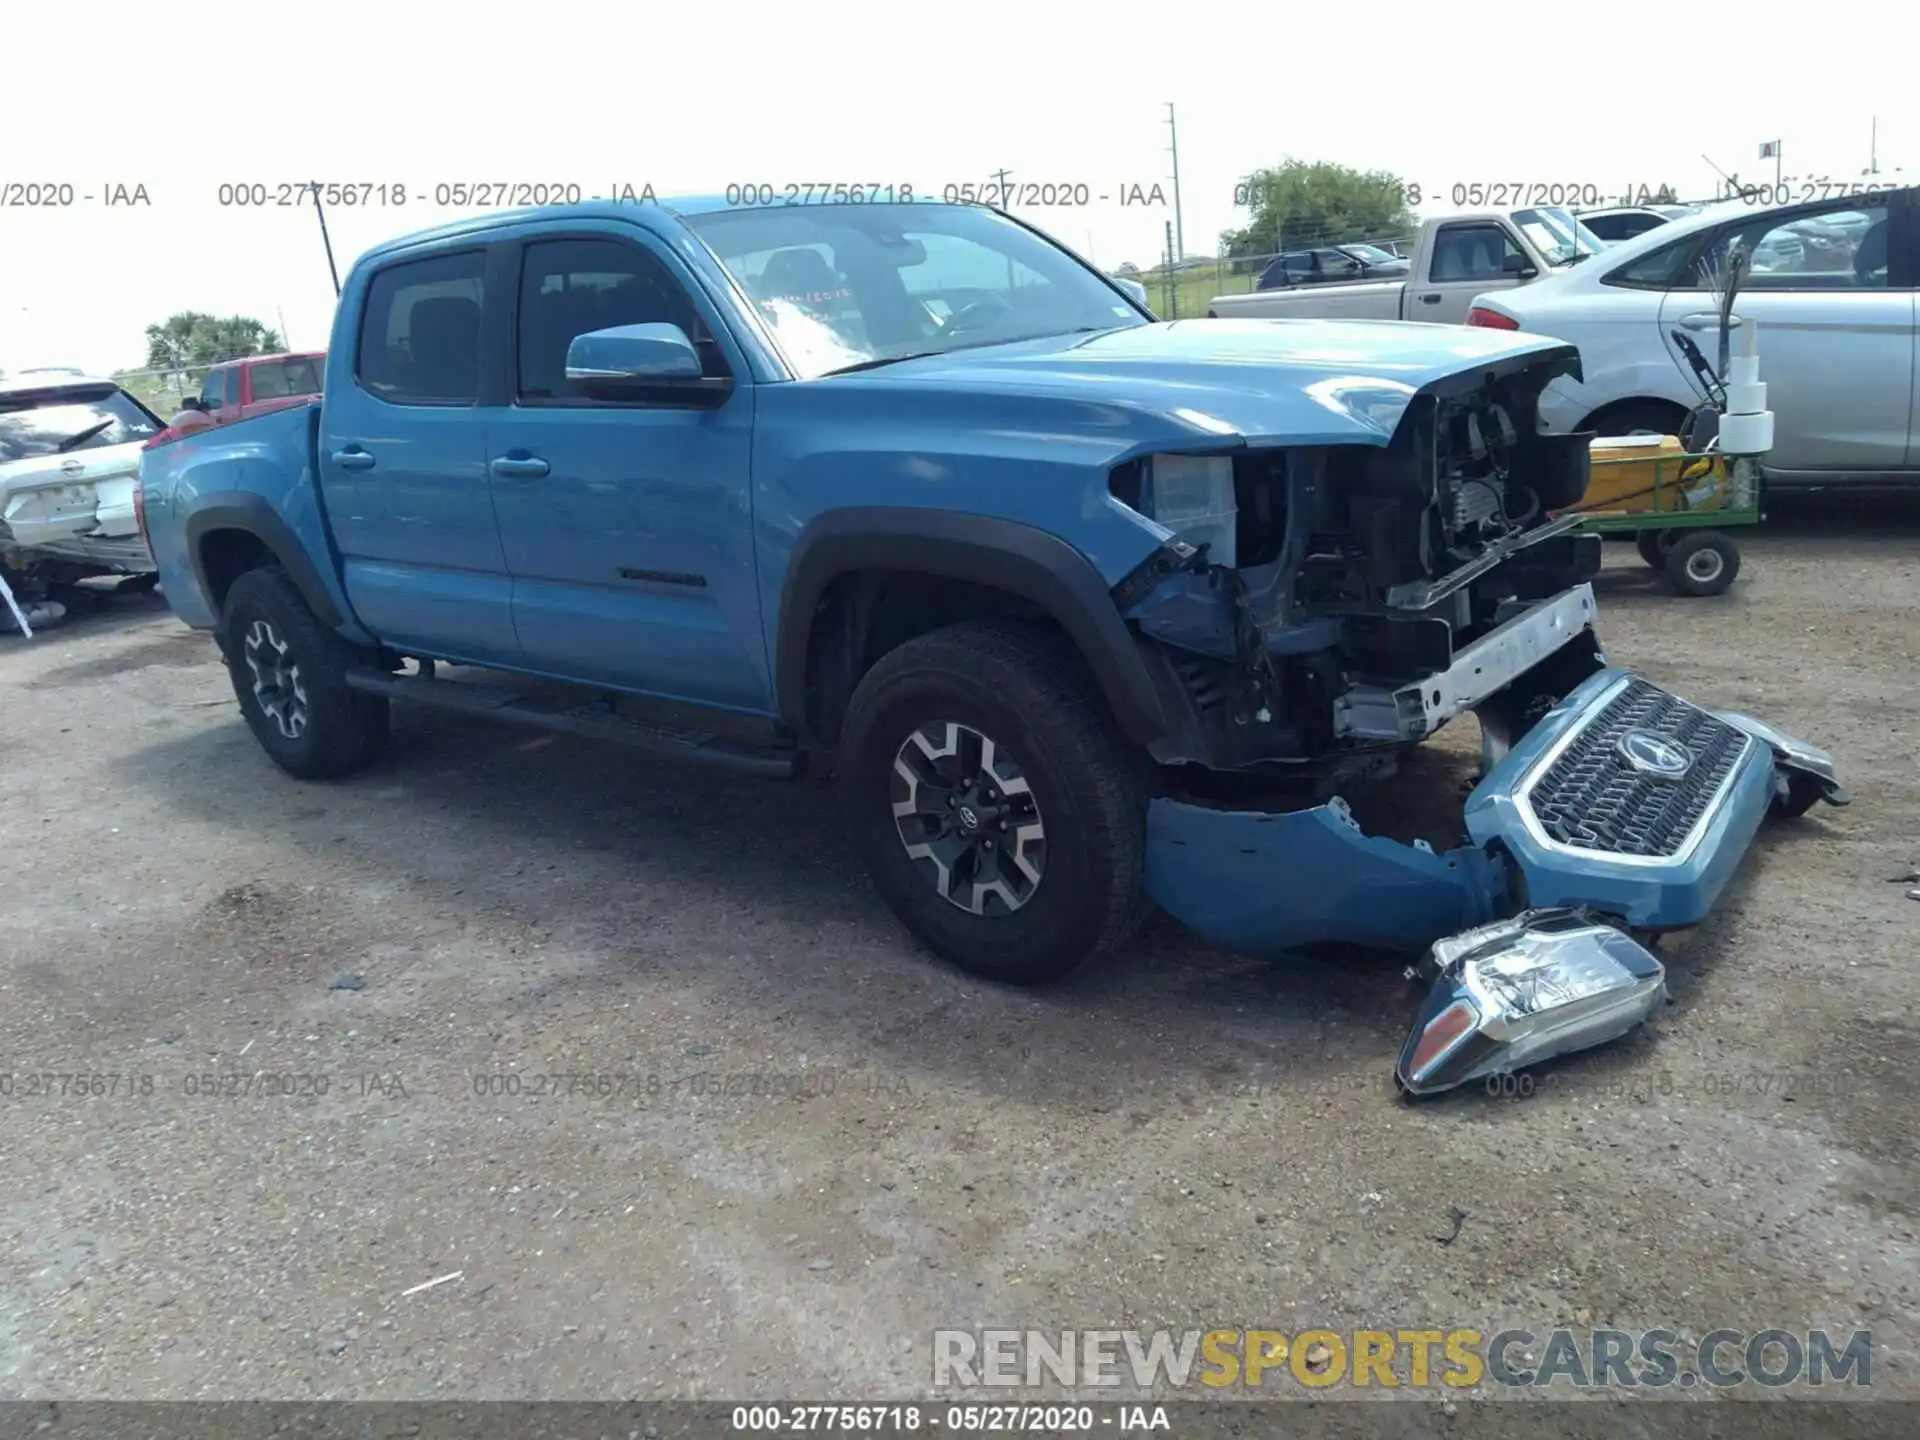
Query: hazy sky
(606, 94)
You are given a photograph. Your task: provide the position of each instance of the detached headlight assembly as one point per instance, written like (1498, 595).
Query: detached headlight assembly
(1520, 991)
(1192, 495)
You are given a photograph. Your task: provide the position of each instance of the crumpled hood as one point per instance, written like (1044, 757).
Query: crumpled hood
(1297, 382)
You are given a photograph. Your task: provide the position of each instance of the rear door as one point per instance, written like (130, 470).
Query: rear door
(403, 458)
(1469, 258)
(627, 524)
(1832, 296)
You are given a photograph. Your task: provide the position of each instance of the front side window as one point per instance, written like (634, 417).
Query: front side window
(213, 390)
(571, 287)
(37, 424)
(1838, 249)
(420, 331)
(857, 285)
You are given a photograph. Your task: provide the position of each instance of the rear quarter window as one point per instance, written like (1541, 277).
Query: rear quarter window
(1658, 269)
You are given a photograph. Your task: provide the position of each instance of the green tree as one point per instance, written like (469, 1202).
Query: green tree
(191, 339)
(1299, 203)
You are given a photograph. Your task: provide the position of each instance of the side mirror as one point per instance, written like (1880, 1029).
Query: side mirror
(625, 358)
(1136, 292)
(1519, 267)
(192, 402)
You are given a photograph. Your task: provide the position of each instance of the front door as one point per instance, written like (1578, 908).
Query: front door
(403, 461)
(627, 525)
(1832, 303)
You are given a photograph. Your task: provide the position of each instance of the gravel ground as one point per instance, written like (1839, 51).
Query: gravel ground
(820, 1145)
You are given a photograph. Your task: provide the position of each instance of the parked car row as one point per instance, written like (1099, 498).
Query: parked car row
(1454, 258)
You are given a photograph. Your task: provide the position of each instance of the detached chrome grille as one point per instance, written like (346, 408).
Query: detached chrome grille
(1593, 796)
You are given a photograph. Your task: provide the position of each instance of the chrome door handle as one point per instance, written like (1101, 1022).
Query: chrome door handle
(352, 459)
(517, 467)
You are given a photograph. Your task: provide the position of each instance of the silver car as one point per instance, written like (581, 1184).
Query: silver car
(69, 462)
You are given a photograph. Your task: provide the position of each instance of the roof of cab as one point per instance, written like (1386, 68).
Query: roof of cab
(677, 206)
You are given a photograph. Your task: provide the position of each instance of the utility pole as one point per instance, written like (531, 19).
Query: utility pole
(1173, 147)
(1873, 148)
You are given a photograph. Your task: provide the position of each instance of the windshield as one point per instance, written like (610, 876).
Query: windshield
(856, 285)
(1372, 254)
(1558, 236)
(39, 423)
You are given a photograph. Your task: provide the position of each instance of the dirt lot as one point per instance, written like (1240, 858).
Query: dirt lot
(819, 1146)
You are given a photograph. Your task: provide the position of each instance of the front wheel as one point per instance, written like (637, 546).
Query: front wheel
(1002, 816)
(289, 673)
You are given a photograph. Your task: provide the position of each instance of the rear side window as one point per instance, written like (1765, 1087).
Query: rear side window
(36, 424)
(279, 379)
(420, 331)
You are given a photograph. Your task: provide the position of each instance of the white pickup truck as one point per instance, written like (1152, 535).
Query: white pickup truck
(1455, 258)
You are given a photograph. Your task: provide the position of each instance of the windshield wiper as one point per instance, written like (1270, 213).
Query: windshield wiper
(878, 361)
(81, 439)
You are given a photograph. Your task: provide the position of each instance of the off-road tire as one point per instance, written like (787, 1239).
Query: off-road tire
(1653, 546)
(344, 729)
(1026, 688)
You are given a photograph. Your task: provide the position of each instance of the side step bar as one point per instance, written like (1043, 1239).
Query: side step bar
(569, 714)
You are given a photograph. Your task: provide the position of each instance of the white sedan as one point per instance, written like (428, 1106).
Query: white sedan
(69, 463)
(1832, 291)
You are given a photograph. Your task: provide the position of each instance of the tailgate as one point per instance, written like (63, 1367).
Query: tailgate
(48, 500)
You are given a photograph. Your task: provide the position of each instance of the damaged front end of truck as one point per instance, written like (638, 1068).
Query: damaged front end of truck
(1316, 610)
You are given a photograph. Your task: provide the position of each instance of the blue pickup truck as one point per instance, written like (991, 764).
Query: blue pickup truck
(1089, 613)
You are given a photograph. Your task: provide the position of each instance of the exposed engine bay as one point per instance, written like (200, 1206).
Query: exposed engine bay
(1314, 608)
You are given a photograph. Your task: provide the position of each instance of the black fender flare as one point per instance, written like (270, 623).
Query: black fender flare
(241, 510)
(1003, 554)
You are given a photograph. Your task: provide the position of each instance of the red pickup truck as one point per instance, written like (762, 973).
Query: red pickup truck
(241, 389)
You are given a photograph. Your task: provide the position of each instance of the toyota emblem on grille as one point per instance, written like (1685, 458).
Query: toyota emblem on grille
(1653, 754)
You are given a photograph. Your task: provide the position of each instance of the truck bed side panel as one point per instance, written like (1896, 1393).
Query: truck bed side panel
(254, 475)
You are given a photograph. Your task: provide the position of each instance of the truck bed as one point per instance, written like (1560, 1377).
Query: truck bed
(1335, 300)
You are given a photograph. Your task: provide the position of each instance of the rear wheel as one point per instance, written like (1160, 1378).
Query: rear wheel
(1638, 417)
(1703, 562)
(1653, 546)
(289, 674)
(1002, 816)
